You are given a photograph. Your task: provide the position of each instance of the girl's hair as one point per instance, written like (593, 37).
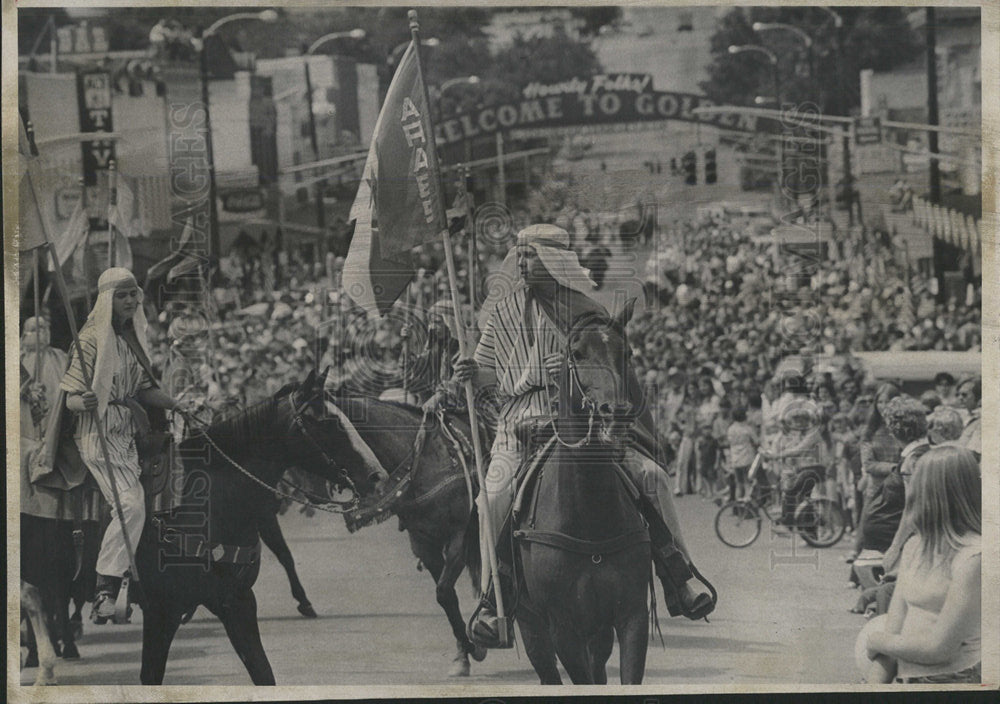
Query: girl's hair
(886, 392)
(945, 500)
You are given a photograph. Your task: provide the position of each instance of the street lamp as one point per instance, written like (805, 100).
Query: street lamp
(356, 34)
(467, 80)
(773, 60)
(764, 26)
(398, 49)
(214, 244)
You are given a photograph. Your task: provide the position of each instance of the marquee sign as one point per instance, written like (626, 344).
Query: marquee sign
(604, 99)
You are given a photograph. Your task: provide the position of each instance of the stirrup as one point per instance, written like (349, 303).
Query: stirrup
(103, 609)
(487, 630)
(123, 612)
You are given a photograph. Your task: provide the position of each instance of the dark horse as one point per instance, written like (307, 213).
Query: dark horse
(206, 551)
(435, 507)
(582, 544)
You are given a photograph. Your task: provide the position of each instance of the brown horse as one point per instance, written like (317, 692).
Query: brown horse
(582, 545)
(206, 552)
(434, 507)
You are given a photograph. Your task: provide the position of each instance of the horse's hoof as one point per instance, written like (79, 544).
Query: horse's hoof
(478, 652)
(46, 677)
(460, 668)
(69, 652)
(307, 610)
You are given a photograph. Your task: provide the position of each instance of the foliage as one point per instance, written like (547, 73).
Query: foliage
(879, 38)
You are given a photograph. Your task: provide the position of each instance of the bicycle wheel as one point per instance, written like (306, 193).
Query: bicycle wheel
(820, 522)
(738, 523)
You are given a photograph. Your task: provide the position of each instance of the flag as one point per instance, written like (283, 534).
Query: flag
(73, 236)
(398, 203)
(30, 225)
(122, 253)
(122, 215)
(180, 261)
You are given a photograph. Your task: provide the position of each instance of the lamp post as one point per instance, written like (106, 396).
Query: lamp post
(735, 49)
(213, 213)
(356, 34)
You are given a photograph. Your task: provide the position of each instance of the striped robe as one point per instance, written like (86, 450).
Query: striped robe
(129, 378)
(522, 381)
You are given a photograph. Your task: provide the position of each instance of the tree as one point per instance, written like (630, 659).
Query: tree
(542, 59)
(879, 38)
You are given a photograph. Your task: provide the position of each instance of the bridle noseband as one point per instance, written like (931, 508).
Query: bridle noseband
(576, 385)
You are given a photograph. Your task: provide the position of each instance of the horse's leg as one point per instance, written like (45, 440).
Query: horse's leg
(430, 554)
(573, 654)
(448, 599)
(31, 602)
(240, 620)
(537, 639)
(633, 641)
(28, 640)
(274, 539)
(159, 626)
(600, 649)
(63, 625)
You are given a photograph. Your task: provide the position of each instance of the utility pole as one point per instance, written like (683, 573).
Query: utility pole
(932, 105)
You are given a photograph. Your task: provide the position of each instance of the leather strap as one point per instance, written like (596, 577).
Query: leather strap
(579, 545)
(196, 546)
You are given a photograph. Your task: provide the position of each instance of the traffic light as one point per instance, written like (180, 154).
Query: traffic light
(689, 168)
(711, 175)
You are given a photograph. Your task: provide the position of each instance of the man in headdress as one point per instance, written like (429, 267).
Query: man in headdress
(523, 329)
(116, 352)
(50, 363)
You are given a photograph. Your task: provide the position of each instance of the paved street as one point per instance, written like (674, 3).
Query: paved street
(782, 618)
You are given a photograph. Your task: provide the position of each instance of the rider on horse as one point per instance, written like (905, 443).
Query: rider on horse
(115, 350)
(520, 352)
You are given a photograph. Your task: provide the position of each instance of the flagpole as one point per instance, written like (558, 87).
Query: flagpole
(503, 625)
(85, 268)
(38, 304)
(112, 203)
(87, 380)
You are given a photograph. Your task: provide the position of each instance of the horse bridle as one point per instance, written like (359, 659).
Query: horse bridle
(343, 477)
(341, 506)
(574, 379)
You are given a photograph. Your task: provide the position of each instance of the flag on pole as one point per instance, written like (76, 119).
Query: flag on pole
(180, 261)
(30, 224)
(397, 206)
(123, 216)
(73, 236)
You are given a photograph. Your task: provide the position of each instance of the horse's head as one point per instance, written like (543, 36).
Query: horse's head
(598, 381)
(308, 416)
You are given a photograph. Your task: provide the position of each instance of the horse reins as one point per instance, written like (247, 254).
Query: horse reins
(341, 506)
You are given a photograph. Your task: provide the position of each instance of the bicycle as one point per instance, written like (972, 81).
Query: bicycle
(819, 520)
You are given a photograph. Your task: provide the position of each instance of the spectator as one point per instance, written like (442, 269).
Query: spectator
(944, 425)
(743, 441)
(932, 631)
(970, 394)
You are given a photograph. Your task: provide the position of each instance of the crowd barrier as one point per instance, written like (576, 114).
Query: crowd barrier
(948, 224)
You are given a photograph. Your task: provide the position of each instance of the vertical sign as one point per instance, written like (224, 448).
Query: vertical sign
(94, 91)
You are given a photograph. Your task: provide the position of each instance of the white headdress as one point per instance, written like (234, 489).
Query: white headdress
(100, 319)
(551, 243)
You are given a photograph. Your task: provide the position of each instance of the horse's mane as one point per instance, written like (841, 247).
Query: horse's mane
(237, 430)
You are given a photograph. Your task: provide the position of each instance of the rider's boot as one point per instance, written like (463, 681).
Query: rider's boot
(485, 628)
(673, 570)
(106, 592)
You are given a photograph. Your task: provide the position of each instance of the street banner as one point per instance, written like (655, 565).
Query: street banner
(397, 204)
(31, 225)
(73, 236)
(94, 95)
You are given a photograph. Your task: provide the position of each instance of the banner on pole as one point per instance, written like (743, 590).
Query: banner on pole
(397, 206)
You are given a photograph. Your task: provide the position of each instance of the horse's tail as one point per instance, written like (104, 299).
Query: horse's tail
(470, 550)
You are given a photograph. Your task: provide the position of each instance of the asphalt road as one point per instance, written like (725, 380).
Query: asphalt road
(782, 618)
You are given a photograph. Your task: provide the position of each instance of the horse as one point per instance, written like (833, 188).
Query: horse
(581, 543)
(435, 507)
(207, 550)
